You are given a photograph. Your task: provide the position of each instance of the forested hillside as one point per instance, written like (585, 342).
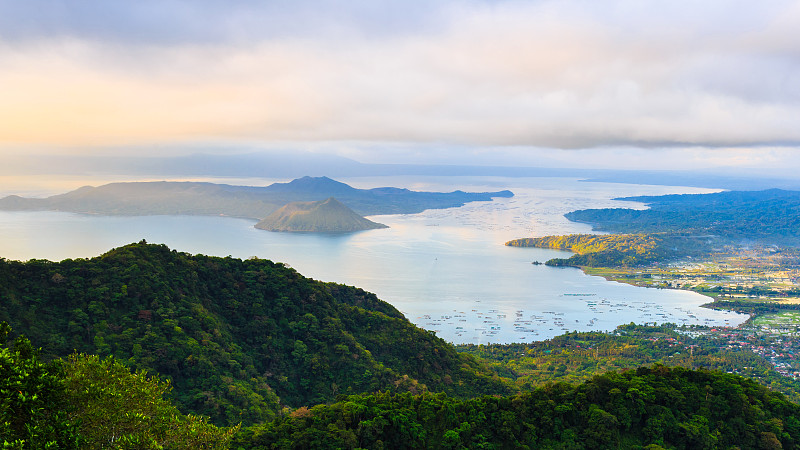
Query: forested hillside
(610, 250)
(239, 339)
(88, 402)
(772, 215)
(653, 407)
(594, 250)
(305, 364)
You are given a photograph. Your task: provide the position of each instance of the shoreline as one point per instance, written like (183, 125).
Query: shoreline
(714, 304)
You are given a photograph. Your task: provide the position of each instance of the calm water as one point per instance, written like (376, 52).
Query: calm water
(446, 270)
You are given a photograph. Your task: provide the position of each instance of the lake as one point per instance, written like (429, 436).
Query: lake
(446, 270)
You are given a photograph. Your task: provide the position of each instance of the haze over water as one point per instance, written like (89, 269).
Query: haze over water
(446, 270)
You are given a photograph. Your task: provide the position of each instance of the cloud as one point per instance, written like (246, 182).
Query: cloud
(171, 22)
(566, 74)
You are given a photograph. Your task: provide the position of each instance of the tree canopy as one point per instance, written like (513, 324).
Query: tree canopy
(238, 339)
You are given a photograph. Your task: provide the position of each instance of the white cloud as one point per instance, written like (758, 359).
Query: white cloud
(567, 74)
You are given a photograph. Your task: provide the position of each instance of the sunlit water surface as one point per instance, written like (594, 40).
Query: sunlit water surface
(446, 270)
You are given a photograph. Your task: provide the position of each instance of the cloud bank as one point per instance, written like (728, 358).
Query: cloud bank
(555, 74)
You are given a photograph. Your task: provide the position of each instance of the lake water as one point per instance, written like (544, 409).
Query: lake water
(446, 270)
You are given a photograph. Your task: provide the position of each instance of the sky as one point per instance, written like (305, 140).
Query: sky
(600, 83)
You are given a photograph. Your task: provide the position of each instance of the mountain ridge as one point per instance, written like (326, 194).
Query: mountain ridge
(250, 202)
(239, 339)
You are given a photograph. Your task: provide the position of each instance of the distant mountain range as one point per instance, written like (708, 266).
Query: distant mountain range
(242, 162)
(252, 202)
(329, 216)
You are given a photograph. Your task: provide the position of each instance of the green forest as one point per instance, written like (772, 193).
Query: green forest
(772, 216)
(576, 357)
(650, 408)
(85, 402)
(615, 250)
(238, 339)
(148, 347)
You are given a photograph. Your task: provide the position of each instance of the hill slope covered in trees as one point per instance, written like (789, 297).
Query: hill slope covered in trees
(772, 215)
(253, 341)
(239, 339)
(652, 408)
(606, 250)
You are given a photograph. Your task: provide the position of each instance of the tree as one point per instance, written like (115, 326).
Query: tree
(34, 410)
(124, 410)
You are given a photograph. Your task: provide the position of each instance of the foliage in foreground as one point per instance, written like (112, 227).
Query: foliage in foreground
(90, 403)
(120, 409)
(658, 406)
(34, 409)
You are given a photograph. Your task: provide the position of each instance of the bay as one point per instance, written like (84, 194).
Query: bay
(446, 270)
